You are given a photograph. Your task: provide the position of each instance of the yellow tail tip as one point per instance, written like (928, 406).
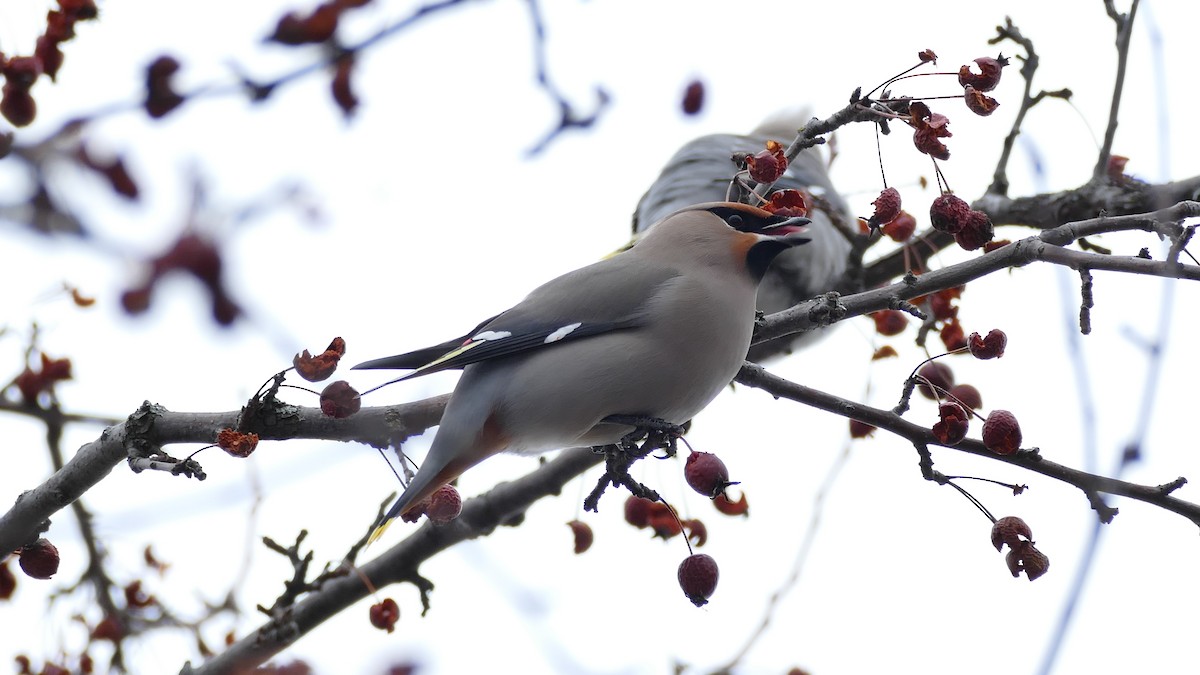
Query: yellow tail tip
(378, 532)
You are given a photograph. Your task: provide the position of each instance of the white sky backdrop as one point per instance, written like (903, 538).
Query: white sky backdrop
(433, 220)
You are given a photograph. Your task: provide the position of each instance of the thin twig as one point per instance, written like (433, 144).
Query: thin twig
(1124, 25)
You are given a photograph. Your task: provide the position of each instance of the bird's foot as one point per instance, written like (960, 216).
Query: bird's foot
(653, 433)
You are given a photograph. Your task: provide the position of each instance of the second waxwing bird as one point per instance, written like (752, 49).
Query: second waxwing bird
(655, 332)
(700, 171)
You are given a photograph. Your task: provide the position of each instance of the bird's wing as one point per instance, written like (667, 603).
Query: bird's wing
(607, 296)
(417, 358)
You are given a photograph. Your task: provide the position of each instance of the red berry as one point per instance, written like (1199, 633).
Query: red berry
(900, 228)
(339, 400)
(860, 429)
(698, 578)
(967, 395)
(706, 473)
(953, 425)
(693, 97)
(583, 535)
(17, 105)
(1001, 433)
(697, 532)
(664, 521)
(40, 559)
(637, 511)
(385, 614)
(110, 629)
(990, 347)
(444, 504)
(936, 373)
(890, 322)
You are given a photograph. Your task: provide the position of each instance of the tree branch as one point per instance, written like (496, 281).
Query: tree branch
(753, 375)
(153, 426)
(480, 516)
(1046, 246)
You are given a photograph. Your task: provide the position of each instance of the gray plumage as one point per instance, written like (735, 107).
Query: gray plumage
(656, 331)
(700, 172)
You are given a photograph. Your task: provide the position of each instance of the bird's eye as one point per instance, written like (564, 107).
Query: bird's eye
(735, 221)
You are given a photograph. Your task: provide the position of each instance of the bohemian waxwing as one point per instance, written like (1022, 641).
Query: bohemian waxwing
(656, 331)
(700, 172)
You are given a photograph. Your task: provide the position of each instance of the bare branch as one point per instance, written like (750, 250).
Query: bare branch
(480, 516)
(1124, 25)
(152, 426)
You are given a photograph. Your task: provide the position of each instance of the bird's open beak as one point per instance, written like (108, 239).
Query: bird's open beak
(787, 226)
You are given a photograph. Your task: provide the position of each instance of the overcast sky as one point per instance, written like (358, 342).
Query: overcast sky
(432, 219)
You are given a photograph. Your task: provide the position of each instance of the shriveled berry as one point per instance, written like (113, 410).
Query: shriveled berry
(583, 535)
(731, 508)
(953, 425)
(39, 559)
(1025, 557)
(976, 231)
(698, 578)
(978, 102)
(941, 304)
(952, 335)
(887, 207)
(988, 76)
(936, 373)
(237, 443)
(990, 347)
(789, 203)
(1010, 530)
(706, 473)
(928, 130)
(1001, 433)
(320, 367)
(385, 614)
(889, 322)
(949, 213)
(967, 395)
(444, 504)
(637, 511)
(768, 165)
(885, 352)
